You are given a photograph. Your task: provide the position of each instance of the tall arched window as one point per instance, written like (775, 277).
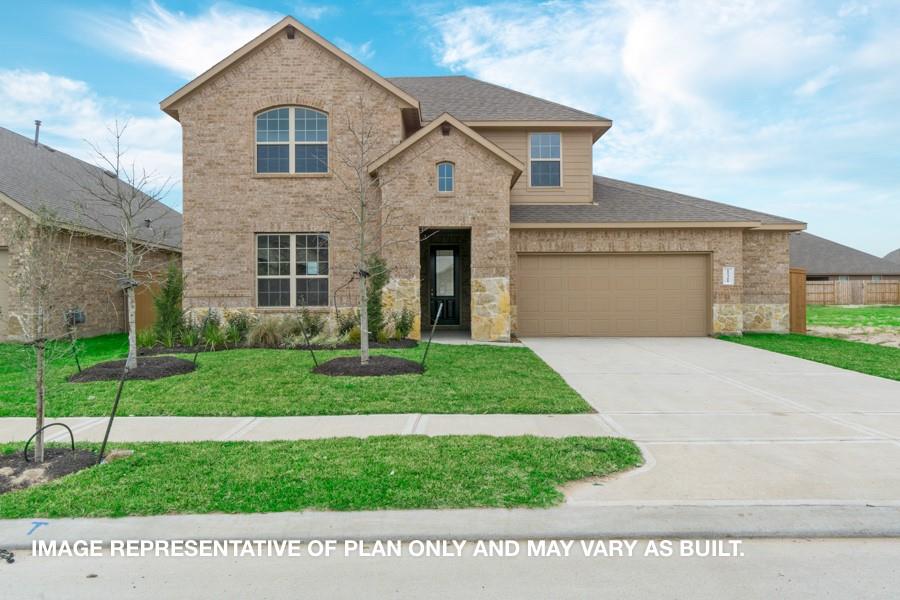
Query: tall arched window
(445, 177)
(292, 139)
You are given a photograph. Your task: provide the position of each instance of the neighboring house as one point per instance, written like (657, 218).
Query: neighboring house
(893, 256)
(36, 179)
(825, 260)
(521, 237)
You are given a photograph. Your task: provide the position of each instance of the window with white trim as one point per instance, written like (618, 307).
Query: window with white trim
(445, 177)
(291, 269)
(292, 139)
(545, 159)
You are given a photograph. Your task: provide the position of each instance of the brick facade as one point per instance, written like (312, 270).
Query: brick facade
(87, 284)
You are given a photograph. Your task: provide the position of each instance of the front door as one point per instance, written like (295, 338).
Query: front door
(444, 283)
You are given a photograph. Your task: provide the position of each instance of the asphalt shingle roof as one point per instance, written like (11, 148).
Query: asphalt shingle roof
(42, 178)
(893, 256)
(622, 202)
(824, 257)
(469, 99)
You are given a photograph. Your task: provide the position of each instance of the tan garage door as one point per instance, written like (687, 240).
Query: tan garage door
(612, 295)
(4, 291)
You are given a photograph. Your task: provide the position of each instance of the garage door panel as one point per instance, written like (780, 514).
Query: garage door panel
(613, 295)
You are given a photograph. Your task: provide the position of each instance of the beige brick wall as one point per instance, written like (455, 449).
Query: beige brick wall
(226, 204)
(766, 296)
(86, 285)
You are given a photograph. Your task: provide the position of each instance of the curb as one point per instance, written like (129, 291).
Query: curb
(568, 522)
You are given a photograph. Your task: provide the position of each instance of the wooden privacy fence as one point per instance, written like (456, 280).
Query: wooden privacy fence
(853, 292)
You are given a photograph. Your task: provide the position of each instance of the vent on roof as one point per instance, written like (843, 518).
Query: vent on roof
(109, 173)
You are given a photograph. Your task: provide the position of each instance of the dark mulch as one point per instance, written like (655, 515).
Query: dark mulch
(151, 367)
(378, 365)
(16, 474)
(156, 350)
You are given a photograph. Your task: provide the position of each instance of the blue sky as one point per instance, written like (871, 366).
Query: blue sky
(788, 106)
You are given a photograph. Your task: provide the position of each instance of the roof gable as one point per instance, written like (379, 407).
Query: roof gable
(168, 104)
(488, 145)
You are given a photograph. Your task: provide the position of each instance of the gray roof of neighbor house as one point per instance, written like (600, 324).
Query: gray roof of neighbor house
(824, 257)
(622, 202)
(469, 99)
(41, 178)
(893, 256)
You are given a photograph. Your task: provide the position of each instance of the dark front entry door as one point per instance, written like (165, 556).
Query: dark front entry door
(443, 280)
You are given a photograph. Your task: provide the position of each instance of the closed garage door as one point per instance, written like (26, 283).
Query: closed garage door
(612, 295)
(4, 291)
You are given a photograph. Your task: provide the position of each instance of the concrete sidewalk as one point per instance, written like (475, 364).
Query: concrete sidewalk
(191, 429)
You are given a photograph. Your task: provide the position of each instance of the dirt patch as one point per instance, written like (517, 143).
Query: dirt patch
(879, 336)
(16, 474)
(151, 367)
(157, 350)
(378, 365)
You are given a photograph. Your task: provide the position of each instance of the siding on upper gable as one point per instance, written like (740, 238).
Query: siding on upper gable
(577, 165)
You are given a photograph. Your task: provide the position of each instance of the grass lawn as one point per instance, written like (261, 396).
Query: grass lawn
(399, 472)
(847, 316)
(250, 382)
(857, 356)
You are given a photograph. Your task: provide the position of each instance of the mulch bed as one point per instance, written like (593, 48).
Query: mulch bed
(16, 474)
(156, 350)
(378, 365)
(152, 367)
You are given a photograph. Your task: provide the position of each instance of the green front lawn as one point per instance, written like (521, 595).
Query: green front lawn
(391, 472)
(251, 382)
(847, 316)
(882, 361)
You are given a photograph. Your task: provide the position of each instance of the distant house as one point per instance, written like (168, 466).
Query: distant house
(893, 256)
(825, 260)
(35, 179)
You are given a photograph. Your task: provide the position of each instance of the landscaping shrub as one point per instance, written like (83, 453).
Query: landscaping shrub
(238, 323)
(168, 338)
(169, 318)
(267, 333)
(353, 335)
(305, 322)
(346, 321)
(378, 278)
(214, 336)
(382, 337)
(146, 338)
(403, 323)
(190, 335)
(233, 335)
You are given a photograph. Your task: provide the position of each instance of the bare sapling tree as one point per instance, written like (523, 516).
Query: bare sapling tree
(121, 202)
(377, 222)
(40, 274)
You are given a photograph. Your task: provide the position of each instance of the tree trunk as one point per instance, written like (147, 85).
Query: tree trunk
(39, 400)
(131, 361)
(363, 322)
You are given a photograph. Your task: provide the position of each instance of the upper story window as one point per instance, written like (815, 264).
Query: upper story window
(292, 139)
(545, 159)
(445, 177)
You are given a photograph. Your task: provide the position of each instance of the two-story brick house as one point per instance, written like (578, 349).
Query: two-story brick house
(505, 224)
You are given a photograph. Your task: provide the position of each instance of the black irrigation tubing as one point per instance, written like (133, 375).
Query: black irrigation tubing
(112, 415)
(433, 327)
(35, 434)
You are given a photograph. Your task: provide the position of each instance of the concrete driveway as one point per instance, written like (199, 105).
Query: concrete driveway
(721, 423)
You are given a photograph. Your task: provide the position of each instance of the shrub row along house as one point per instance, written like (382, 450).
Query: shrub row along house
(38, 183)
(483, 203)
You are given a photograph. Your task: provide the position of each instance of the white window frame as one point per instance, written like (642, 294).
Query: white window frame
(560, 160)
(292, 142)
(437, 170)
(293, 276)
(876, 277)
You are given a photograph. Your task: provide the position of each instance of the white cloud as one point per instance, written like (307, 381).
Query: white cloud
(314, 12)
(735, 101)
(360, 52)
(184, 44)
(73, 115)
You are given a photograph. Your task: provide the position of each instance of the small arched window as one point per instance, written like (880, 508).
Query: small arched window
(445, 177)
(292, 139)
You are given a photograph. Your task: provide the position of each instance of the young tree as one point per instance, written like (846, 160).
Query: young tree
(121, 201)
(39, 276)
(361, 141)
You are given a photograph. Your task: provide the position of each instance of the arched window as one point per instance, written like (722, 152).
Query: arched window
(445, 177)
(292, 139)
